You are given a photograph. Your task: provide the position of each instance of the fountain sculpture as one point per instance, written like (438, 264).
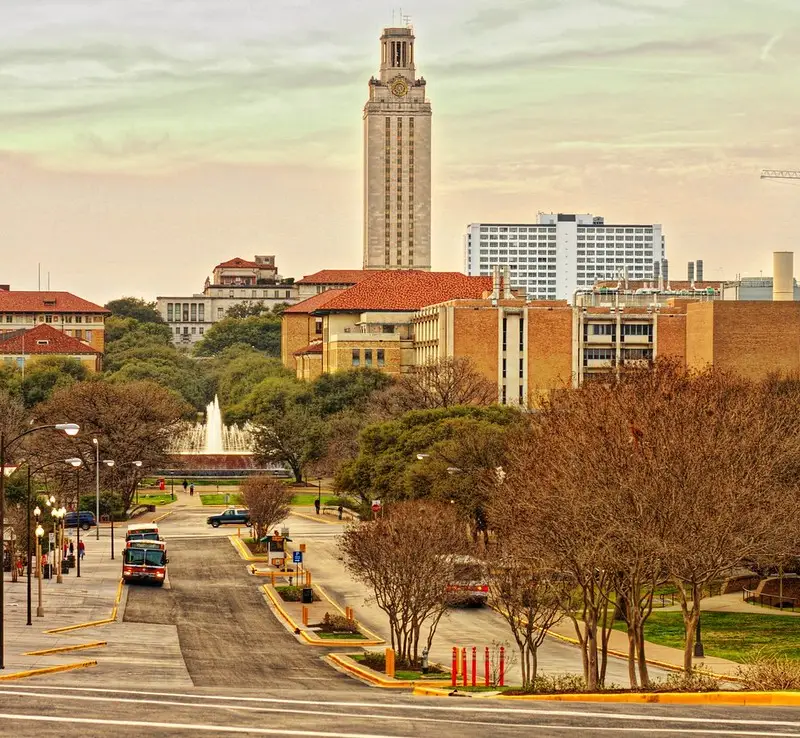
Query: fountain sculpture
(213, 438)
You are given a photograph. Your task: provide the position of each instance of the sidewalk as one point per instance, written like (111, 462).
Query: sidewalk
(129, 656)
(732, 602)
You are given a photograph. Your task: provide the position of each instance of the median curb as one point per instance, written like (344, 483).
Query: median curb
(66, 649)
(46, 670)
(310, 640)
(733, 699)
(370, 676)
(365, 631)
(161, 517)
(245, 553)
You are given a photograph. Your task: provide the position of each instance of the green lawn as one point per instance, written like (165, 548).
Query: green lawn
(729, 635)
(155, 499)
(234, 498)
(152, 482)
(340, 636)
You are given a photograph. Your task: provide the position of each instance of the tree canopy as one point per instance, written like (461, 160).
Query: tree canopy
(261, 332)
(136, 308)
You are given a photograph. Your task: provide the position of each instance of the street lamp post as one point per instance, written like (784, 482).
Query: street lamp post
(57, 542)
(96, 485)
(39, 533)
(71, 429)
(699, 651)
(319, 493)
(76, 464)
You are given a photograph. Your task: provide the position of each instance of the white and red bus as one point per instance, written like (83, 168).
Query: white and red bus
(145, 561)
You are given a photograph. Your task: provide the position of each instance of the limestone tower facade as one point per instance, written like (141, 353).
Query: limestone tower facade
(397, 160)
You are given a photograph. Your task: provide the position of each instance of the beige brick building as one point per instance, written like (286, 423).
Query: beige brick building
(397, 160)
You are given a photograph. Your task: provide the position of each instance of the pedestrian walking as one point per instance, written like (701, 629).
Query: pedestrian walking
(82, 549)
(341, 510)
(71, 548)
(185, 485)
(316, 505)
(191, 490)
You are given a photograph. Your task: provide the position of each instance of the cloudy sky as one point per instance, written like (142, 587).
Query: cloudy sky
(144, 141)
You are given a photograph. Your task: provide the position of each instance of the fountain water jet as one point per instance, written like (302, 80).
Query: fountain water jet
(213, 438)
(214, 428)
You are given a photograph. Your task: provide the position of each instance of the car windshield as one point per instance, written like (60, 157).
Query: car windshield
(142, 557)
(468, 573)
(143, 537)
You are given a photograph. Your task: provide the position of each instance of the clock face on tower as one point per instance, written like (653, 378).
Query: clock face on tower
(399, 87)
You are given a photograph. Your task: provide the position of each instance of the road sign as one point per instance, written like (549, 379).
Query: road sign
(297, 557)
(51, 538)
(376, 506)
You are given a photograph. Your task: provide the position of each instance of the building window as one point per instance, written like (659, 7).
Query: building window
(201, 330)
(88, 336)
(356, 358)
(220, 313)
(186, 311)
(367, 357)
(169, 312)
(194, 330)
(194, 312)
(381, 357)
(201, 312)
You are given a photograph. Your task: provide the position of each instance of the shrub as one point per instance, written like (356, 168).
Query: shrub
(685, 683)
(374, 660)
(767, 671)
(559, 683)
(345, 502)
(293, 594)
(338, 624)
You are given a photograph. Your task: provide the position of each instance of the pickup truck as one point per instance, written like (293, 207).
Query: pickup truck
(232, 516)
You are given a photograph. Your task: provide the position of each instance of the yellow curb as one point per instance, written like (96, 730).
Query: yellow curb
(774, 699)
(93, 623)
(309, 639)
(161, 517)
(244, 552)
(65, 649)
(370, 676)
(315, 518)
(46, 670)
(364, 630)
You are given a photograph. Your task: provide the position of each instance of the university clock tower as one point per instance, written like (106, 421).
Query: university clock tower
(397, 160)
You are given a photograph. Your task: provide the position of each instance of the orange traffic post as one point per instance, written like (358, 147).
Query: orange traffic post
(464, 667)
(474, 666)
(390, 663)
(308, 579)
(486, 667)
(305, 615)
(272, 577)
(302, 547)
(454, 667)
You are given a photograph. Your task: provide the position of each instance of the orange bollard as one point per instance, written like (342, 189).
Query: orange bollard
(474, 666)
(305, 615)
(464, 667)
(303, 547)
(390, 663)
(486, 667)
(454, 667)
(308, 579)
(272, 577)
(502, 679)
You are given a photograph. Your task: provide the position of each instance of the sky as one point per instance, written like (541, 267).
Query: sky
(142, 141)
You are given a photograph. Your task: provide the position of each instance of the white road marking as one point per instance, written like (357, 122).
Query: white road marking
(188, 726)
(327, 734)
(427, 707)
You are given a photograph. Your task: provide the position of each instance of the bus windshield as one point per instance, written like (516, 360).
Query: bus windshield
(144, 557)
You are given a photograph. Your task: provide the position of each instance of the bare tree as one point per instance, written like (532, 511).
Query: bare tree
(268, 500)
(402, 556)
(529, 597)
(443, 383)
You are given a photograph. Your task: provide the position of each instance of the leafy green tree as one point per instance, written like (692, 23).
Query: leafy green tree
(262, 332)
(136, 308)
(123, 334)
(238, 369)
(351, 389)
(46, 375)
(272, 395)
(388, 466)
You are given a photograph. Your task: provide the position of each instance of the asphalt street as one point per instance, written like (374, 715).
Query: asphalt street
(36, 710)
(227, 634)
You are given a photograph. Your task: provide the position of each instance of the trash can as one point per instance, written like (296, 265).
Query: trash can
(308, 595)
(46, 571)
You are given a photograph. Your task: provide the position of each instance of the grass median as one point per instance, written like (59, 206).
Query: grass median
(729, 635)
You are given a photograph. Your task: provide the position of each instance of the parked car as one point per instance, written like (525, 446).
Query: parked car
(232, 516)
(87, 520)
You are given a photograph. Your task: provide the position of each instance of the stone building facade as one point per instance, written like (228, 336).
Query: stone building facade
(397, 160)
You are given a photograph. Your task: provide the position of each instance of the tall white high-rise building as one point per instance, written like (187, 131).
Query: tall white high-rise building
(559, 254)
(397, 160)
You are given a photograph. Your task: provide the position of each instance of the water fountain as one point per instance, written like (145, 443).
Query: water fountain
(213, 437)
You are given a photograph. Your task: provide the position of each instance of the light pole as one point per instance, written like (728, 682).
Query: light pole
(76, 463)
(39, 533)
(71, 429)
(50, 503)
(56, 530)
(96, 486)
(319, 494)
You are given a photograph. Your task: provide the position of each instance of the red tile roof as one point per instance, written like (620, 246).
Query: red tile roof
(407, 290)
(337, 276)
(238, 263)
(315, 347)
(27, 342)
(13, 301)
(312, 303)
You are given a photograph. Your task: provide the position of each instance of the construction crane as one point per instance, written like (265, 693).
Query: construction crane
(780, 174)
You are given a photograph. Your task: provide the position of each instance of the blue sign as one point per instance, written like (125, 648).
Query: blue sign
(297, 557)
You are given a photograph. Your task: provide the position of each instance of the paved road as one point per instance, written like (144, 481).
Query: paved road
(227, 634)
(44, 710)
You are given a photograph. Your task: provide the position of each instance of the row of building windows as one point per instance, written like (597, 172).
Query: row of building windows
(49, 318)
(552, 229)
(185, 330)
(186, 312)
(380, 357)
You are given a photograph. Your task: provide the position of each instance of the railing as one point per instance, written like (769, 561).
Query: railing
(750, 595)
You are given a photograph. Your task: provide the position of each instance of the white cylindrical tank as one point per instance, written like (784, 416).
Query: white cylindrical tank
(782, 276)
